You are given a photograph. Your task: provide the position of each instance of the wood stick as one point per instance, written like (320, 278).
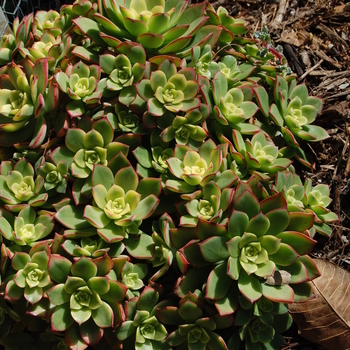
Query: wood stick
(311, 69)
(282, 10)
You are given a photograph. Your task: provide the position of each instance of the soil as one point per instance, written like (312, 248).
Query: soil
(315, 40)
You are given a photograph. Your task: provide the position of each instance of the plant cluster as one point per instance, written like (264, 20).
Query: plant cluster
(147, 194)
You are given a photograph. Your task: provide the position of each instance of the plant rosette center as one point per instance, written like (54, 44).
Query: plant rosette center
(195, 334)
(197, 168)
(119, 204)
(160, 156)
(31, 276)
(122, 76)
(34, 277)
(315, 197)
(82, 297)
(252, 254)
(295, 118)
(117, 208)
(291, 198)
(262, 153)
(27, 231)
(230, 104)
(43, 47)
(18, 100)
(53, 177)
(15, 104)
(132, 281)
(22, 187)
(142, 12)
(82, 86)
(88, 158)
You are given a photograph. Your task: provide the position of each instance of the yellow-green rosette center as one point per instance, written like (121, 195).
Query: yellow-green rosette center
(33, 277)
(22, 190)
(81, 88)
(117, 208)
(83, 296)
(298, 117)
(205, 208)
(27, 231)
(147, 330)
(53, 176)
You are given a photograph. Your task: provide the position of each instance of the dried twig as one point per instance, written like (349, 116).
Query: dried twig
(282, 10)
(347, 168)
(311, 69)
(340, 94)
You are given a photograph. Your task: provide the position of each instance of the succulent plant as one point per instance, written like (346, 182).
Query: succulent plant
(194, 329)
(79, 82)
(249, 254)
(55, 176)
(32, 279)
(210, 206)
(230, 106)
(169, 89)
(197, 168)
(18, 187)
(126, 68)
(141, 328)
(148, 198)
(317, 199)
(86, 297)
(258, 156)
(27, 227)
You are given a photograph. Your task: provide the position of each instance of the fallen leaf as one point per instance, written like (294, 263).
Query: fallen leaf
(295, 38)
(325, 320)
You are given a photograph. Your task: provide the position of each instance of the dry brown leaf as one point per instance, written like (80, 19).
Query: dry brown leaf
(295, 38)
(325, 320)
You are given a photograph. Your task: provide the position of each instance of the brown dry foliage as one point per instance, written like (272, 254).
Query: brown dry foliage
(325, 320)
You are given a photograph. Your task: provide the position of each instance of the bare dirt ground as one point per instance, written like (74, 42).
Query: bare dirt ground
(315, 39)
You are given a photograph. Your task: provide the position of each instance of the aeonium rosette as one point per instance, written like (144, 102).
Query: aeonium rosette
(168, 89)
(118, 208)
(27, 227)
(27, 95)
(186, 130)
(261, 323)
(125, 69)
(231, 106)
(32, 279)
(261, 241)
(293, 111)
(293, 190)
(18, 187)
(211, 205)
(313, 200)
(47, 22)
(258, 156)
(161, 27)
(192, 169)
(79, 82)
(195, 330)
(87, 294)
(317, 202)
(142, 328)
(84, 150)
